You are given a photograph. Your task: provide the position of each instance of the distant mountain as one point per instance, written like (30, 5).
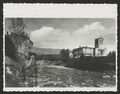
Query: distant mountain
(45, 51)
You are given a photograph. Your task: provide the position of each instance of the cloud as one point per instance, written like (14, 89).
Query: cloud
(92, 27)
(40, 33)
(49, 37)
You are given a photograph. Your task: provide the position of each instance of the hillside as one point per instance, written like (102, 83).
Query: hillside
(45, 51)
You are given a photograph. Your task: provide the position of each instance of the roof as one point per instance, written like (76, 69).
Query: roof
(99, 38)
(88, 47)
(83, 47)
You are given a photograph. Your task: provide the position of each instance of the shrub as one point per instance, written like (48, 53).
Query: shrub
(98, 64)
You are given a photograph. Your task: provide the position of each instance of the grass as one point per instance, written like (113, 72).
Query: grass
(57, 76)
(66, 77)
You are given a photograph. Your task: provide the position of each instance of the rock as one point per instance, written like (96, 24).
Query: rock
(106, 76)
(8, 70)
(83, 83)
(114, 76)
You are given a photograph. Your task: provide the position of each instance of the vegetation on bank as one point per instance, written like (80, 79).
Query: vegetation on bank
(14, 37)
(98, 64)
(10, 49)
(14, 59)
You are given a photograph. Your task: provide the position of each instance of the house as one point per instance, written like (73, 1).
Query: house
(98, 50)
(86, 51)
(70, 54)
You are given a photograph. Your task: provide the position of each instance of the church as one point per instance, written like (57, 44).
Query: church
(96, 51)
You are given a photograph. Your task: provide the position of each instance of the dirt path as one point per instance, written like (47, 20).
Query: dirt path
(61, 67)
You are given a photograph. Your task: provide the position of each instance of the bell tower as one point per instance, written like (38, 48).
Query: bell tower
(99, 49)
(99, 42)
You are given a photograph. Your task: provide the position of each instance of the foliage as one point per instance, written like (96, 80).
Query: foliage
(64, 53)
(18, 35)
(112, 54)
(93, 63)
(29, 54)
(18, 26)
(10, 49)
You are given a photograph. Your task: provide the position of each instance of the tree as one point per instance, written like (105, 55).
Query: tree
(18, 35)
(112, 54)
(10, 49)
(82, 56)
(64, 53)
(18, 26)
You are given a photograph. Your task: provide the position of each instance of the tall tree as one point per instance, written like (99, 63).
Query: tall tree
(18, 26)
(64, 53)
(18, 35)
(112, 53)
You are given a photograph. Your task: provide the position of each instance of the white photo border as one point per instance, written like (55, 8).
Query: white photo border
(10, 10)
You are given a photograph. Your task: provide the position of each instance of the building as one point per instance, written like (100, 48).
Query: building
(86, 51)
(97, 50)
(100, 50)
(70, 54)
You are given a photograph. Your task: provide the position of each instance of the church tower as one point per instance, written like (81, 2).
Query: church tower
(99, 42)
(99, 49)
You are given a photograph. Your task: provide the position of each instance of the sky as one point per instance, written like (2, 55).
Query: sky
(63, 33)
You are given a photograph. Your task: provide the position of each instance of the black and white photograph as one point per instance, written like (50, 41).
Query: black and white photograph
(60, 52)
